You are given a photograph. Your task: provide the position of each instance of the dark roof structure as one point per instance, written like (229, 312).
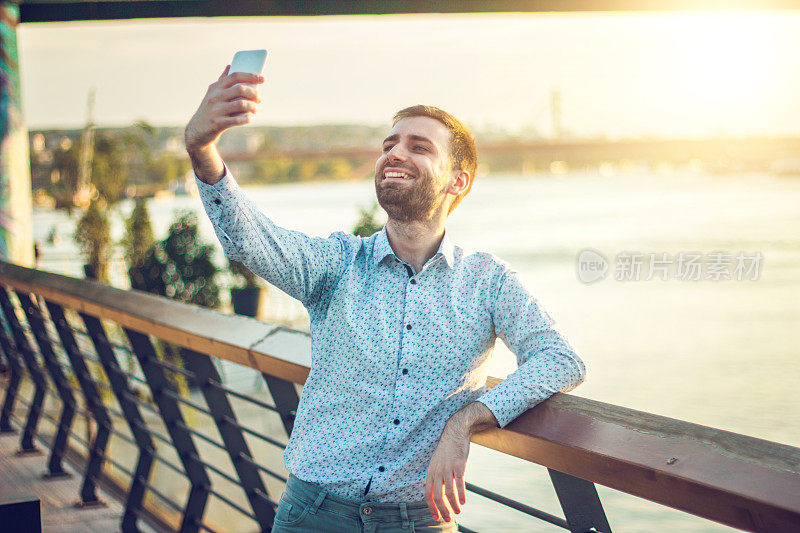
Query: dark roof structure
(70, 10)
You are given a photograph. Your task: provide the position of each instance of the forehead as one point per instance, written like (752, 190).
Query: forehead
(427, 127)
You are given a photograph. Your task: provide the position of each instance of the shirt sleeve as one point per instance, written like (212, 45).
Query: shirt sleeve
(547, 362)
(296, 263)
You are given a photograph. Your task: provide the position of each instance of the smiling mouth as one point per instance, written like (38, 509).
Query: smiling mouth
(395, 175)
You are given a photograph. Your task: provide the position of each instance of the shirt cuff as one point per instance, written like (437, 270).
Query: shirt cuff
(505, 405)
(218, 195)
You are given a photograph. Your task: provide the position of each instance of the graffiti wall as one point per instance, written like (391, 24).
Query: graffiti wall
(15, 189)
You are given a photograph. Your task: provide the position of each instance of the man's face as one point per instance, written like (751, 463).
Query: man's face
(414, 172)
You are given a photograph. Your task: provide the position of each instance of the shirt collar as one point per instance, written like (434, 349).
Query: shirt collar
(382, 248)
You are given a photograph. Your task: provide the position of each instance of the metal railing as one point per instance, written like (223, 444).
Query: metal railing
(104, 354)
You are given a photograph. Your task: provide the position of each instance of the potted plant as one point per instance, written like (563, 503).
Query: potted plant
(367, 222)
(247, 291)
(178, 267)
(93, 237)
(138, 237)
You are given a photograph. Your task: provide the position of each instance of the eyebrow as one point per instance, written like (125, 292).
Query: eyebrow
(396, 137)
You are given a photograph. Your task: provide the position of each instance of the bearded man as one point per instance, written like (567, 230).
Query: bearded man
(402, 325)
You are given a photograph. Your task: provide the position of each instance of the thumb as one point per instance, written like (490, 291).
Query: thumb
(224, 72)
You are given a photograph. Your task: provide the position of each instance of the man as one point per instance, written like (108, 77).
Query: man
(402, 325)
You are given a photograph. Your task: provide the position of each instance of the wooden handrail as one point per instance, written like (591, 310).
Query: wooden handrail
(740, 481)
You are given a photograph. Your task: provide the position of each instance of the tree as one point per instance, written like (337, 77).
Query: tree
(109, 171)
(138, 237)
(64, 177)
(180, 266)
(93, 237)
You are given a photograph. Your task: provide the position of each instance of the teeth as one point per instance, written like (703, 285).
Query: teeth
(396, 175)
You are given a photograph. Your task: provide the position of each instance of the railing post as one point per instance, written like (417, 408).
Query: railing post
(119, 384)
(36, 321)
(13, 382)
(173, 420)
(206, 376)
(27, 444)
(580, 502)
(94, 403)
(286, 399)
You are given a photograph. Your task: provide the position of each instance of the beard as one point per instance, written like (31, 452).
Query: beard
(409, 202)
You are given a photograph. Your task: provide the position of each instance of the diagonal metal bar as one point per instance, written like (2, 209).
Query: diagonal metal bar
(580, 502)
(55, 467)
(286, 399)
(133, 417)
(206, 377)
(94, 403)
(27, 444)
(12, 387)
(173, 420)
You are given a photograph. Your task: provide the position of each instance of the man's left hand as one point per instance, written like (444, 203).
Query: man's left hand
(446, 470)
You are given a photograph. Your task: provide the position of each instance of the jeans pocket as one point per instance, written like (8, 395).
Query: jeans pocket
(291, 511)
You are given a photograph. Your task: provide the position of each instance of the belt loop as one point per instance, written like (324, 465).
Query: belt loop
(320, 498)
(404, 514)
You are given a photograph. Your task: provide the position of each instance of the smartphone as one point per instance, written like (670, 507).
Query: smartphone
(251, 61)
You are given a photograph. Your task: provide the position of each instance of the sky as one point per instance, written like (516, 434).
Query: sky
(618, 74)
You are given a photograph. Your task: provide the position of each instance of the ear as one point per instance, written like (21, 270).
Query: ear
(461, 182)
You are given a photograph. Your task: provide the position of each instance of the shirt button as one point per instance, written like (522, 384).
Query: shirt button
(380, 469)
(367, 510)
(217, 201)
(413, 282)
(405, 371)
(396, 421)
(408, 326)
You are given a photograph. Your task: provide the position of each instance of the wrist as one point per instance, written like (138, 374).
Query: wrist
(470, 419)
(207, 163)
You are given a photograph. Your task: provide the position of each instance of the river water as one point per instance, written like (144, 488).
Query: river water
(718, 352)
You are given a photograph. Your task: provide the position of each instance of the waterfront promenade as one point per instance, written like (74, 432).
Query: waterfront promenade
(115, 373)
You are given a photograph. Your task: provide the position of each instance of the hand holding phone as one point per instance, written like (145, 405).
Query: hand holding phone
(249, 61)
(231, 101)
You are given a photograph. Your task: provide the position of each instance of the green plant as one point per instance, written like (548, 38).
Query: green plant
(138, 237)
(93, 237)
(367, 225)
(180, 266)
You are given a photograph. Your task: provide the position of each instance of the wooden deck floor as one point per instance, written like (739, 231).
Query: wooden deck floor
(21, 478)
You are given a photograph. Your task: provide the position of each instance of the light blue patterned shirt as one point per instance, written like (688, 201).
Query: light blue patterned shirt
(394, 353)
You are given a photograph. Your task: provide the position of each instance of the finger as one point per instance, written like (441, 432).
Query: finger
(227, 122)
(450, 492)
(461, 485)
(429, 498)
(241, 77)
(224, 72)
(240, 91)
(439, 500)
(238, 107)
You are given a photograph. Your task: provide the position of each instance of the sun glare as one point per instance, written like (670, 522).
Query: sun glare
(724, 63)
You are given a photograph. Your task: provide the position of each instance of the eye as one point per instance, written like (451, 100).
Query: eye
(421, 148)
(387, 147)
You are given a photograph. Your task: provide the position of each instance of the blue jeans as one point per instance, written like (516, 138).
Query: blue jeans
(306, 508)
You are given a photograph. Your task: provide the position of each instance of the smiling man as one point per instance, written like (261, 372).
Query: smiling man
(402, 325)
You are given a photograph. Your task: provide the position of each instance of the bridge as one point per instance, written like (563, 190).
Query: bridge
(722, 148)
(176, 447)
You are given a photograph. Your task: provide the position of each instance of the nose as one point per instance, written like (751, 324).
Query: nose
(396, 153)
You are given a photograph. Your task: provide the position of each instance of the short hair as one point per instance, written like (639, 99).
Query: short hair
(463, 153)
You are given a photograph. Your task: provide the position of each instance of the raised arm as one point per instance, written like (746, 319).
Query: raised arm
(300, 265)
